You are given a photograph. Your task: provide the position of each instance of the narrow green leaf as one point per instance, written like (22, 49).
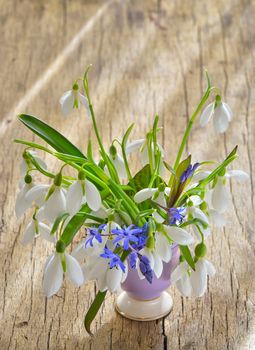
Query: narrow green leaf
(50, 135)
(142, 178)
(59, 218)
(93, 310)
(74, 225)
(187, 255)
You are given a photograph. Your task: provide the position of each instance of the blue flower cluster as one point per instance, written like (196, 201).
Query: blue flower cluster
(188, 172)
(132, 238)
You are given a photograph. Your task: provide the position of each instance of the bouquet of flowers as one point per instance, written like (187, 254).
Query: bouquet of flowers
(130, 221)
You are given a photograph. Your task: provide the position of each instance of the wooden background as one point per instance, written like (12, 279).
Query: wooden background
(148, 58)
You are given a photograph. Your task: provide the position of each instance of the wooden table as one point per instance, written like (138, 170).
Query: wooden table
(148, 57)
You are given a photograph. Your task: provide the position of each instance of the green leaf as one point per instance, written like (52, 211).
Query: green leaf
(74, 225)
(59, 218)
(50, 135)
(142, 178)
(187, 255)
(93, 310)
(177, 187)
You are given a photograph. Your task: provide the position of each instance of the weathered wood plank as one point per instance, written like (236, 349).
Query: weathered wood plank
(148, 58)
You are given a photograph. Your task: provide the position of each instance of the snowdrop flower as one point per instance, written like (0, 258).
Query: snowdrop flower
(53, 206)
(56, 265)
(80, 192)
(24, 167)
(178, 235)
(220, 194)
(221, 114)
(193, 283)
(35, 229)
(72, 99)
(141, 145)
(118, 162)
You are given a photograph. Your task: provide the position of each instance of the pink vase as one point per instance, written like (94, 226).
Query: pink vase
(144, 301)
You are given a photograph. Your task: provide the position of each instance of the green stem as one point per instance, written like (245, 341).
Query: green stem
(189, 126)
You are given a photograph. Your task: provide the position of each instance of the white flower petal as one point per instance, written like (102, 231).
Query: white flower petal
(196, 200)
(220, 119)
(73, 270)
(55, 205)
(74, 197)
(199, 214)
(217, 218)
(162, 247)
(44, 231)
(220, 197)
(29, 234)
(135, 145)
(22, 204)
(161, 200)
(198, 279)
(118, 162)
(158, 217)
(144, 194)
(113, 279)
(53, 276)
(92, 196)
(228, 111)
(239, 175)
(207, 114)
(179, 235)
(37, 194)
(209, 268)
(184, 285)
(158, 265)
(179, 271)
(67, 102)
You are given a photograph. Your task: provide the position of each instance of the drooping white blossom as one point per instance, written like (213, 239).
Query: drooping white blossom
(53, 206)
(221, 114)
(72, 99)
(192, 283)
(35, 229)
(81, 192)
(53, 272)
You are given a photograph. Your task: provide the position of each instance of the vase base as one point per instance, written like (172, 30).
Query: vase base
(144, 310)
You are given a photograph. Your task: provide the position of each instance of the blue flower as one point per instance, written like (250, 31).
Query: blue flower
(95, 233)
(127, 234)
(188, 172)
(145, 268)
(132, 259)
(115, 260)
(176, 216)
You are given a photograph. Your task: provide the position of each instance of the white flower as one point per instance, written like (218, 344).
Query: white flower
(141, 145)
(37, 194)
(195, 282)
(222, 116)
(54, 206)
(220, 194)
(35, 229)
(53, 273)
(81, 192)
(72, 99)
(179, 235)
(162, 247)
(24, 166)
(119, 164)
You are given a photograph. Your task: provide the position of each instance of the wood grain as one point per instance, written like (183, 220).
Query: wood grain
(148, 58)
